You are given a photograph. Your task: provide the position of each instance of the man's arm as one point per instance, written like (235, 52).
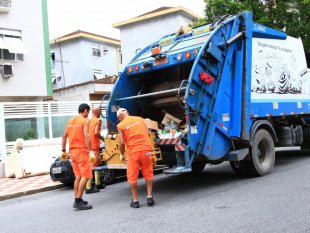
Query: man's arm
(86, 135)
(121, 141)
(98, 129)
(64, 140)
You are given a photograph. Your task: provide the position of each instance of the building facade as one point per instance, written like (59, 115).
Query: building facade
(81, 57)
(88, 91)
(139, 32)
(24, 51)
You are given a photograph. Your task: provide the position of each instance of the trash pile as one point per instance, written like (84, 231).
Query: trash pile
(172, 127)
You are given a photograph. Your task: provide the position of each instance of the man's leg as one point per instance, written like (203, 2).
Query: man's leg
(76, 186)
(147, 172)
(132, 176)
(134, 191)
(149, 187)
(97, 163)
(82, 186)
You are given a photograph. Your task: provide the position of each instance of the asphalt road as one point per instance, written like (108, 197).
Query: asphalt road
(216, 201)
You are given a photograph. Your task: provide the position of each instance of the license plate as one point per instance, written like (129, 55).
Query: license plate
(161, 61)
(56, 170)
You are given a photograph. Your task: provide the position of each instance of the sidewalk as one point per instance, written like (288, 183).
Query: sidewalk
(12, 187)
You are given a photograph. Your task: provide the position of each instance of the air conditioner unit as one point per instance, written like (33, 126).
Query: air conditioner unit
(7, 70)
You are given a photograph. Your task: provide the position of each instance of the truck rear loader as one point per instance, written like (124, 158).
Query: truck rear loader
(240, 88)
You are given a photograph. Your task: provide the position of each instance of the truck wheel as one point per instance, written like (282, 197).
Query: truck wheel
(262, 154)
(197, 167)
(239, 168)
(107, 176)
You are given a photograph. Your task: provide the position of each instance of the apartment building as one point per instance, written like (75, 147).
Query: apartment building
(140, 31)
(24, 51)
(81, 57)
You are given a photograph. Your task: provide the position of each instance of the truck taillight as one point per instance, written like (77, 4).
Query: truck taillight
(196, 51)
(136, 68)
(187, 54)
(129, 69)
(206, 78)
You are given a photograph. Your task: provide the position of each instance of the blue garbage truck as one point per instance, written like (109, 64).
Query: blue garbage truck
(240, 88)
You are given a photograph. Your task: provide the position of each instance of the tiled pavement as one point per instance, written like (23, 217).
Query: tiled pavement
(12, 187)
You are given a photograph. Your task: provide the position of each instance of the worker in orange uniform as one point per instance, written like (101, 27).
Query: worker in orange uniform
(134, 134)
(95, 125)
(80, 153)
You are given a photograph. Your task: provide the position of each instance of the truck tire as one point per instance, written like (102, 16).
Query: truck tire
(262, 154)
(198, 166)
(239, 167)
(107, 176)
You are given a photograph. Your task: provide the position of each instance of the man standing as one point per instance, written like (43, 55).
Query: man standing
(134, 133)
(80, 151)
(95, 125)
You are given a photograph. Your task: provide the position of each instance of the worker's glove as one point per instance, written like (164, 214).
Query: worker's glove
(121, 157)
(92, 157)
(64, 156)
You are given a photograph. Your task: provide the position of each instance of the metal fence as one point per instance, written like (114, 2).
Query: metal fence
(35, 120)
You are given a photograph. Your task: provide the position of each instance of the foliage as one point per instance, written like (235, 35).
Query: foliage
(291, 16)
(30, 134)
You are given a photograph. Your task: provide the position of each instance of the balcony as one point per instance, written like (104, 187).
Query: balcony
(5, 6)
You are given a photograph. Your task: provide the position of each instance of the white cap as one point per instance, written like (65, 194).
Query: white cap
(120, 111)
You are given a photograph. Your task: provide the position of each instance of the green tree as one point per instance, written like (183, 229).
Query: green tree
(290, 16)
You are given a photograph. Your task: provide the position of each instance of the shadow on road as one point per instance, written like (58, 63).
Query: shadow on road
(220, 175)
(290, 156)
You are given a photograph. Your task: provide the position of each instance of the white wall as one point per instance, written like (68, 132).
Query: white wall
(141, 34)
(80, 93)
(29, 75)
(79, 63)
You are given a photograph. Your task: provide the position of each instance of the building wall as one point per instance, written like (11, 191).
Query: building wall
(29, 80)
(81, 93)
(141, 34)
(68, 63)
(77, 64)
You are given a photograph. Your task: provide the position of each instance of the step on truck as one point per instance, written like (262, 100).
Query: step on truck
(241, 89)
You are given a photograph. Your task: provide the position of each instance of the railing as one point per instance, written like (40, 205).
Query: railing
(35, 120)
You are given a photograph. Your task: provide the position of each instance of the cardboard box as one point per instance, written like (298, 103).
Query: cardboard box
(151, 124)
(168, 118)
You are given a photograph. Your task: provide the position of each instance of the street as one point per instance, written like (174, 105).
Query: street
(215, 201)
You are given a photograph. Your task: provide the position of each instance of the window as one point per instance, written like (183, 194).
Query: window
(53, 56)
(97, 74)
(5, 5)
(54, 79)
(96, 52)
(11, 45)
(26, 128)
(52, 59)
(5, 54)
(120, 56)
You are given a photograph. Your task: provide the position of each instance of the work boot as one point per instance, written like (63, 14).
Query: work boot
(75, 203)
(100, 186)
(93, 190)
(134, 204)
(150, 201)
(82, 206)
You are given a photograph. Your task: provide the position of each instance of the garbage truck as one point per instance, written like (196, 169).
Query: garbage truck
(235, 90)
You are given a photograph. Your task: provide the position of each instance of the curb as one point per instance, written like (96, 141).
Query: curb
(30, 192)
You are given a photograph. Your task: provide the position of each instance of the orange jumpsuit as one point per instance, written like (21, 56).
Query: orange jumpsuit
(94, 140)
(138, 145)
(79, 153)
